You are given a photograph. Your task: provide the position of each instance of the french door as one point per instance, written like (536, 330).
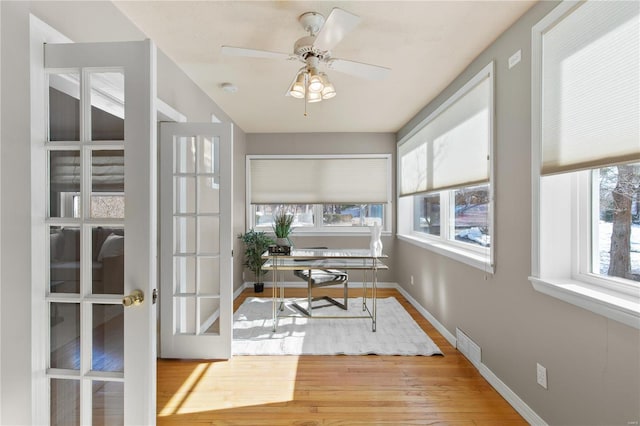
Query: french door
(102, 233)
(196, 240)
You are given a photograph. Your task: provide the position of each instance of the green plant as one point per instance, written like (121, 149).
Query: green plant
(255, 243)
(282, 224)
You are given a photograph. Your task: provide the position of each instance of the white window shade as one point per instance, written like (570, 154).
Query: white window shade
(313, 180)
(452, 149)
(590, 93)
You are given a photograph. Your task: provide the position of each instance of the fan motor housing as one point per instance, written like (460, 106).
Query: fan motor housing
(304, 47)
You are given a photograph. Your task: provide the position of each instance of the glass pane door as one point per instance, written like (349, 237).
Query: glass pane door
(101, 224)
(86, 247)
(195, 240)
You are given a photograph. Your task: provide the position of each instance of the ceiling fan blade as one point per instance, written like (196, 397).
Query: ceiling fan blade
(359, 69)
(254, 53)
(338, 24)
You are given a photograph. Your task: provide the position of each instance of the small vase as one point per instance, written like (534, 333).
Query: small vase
(376, 244)
(283, 242)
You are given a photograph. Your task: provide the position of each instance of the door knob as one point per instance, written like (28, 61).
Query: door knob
(135, 298)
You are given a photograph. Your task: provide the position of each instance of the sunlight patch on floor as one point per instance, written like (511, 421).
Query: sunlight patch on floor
(214, 385)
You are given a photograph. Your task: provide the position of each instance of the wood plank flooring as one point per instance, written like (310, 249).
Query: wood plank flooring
(331, 390)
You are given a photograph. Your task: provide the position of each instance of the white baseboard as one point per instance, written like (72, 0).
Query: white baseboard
(451, 338)
(510, 396)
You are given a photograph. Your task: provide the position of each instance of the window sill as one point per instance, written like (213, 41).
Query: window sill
(608, 303)
(468, 257)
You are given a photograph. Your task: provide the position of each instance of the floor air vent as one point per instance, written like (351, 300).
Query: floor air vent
(469, 348)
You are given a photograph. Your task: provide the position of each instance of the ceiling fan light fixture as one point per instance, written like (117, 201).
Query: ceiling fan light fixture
(329, 91)
(313, 97)
(315, 81)
(297, 89)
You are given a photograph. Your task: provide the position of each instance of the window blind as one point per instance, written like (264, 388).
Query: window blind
(452, 149)
(590, 88)
(313, 180)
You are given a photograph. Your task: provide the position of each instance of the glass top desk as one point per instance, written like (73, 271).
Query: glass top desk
(324, 259)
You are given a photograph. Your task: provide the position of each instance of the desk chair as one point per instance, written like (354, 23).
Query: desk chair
(322, 278)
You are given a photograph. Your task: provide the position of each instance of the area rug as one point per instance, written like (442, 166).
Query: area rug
(396, 332)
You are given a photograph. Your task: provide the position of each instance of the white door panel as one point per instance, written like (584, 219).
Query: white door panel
(101, 221)
(196, 240)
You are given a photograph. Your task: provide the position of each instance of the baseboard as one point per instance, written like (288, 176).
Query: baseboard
(510, 396)
(451, 338)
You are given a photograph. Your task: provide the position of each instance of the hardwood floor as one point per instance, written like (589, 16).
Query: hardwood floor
(331, 390)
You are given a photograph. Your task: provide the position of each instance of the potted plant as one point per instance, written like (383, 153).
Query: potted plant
(282, 227)
(255, 243)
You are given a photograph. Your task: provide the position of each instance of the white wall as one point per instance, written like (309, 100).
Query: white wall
(593, 363)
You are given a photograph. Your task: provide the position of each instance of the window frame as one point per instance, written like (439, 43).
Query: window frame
(467, 253)
(318, 229)
(614, 298)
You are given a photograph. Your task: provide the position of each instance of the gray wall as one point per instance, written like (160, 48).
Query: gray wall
(593, 363)
(330, 143)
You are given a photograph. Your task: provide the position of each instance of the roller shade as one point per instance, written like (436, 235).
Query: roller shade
(452, 149)
(319, 180)
(590, 88)
(107, 170)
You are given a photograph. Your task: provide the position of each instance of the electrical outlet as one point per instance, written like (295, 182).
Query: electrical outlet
(411, 281)
(541, 374)
(515, 58)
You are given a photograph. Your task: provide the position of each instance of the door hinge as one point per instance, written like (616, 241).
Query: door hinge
(154, 296)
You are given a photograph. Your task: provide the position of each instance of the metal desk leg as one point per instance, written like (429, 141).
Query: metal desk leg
(274, 301)
(364, 290)
(281, 280)
(309, 295)
(374, 290)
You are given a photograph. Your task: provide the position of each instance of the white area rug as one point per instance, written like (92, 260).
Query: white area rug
(396, 332)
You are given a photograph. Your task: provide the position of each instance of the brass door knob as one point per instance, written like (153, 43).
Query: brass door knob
(135, 298)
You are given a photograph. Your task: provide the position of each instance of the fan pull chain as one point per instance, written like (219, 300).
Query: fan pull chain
(306, 92)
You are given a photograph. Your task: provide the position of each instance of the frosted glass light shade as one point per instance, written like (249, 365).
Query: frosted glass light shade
(315, 83)
(297, 88)
(329, 91)
(314, 97)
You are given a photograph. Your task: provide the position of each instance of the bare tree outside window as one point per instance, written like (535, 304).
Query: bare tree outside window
(619, 227)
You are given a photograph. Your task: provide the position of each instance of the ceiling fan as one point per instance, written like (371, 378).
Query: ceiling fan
(315, 49)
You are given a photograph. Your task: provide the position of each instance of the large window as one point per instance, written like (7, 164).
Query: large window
(321, 217)
(586, 153)
(444, 176)
(329, 194)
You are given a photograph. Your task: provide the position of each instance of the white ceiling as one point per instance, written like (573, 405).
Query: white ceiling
(425, 43)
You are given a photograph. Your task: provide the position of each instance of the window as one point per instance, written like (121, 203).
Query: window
(615, 241)
(330, 194)
(585, 151)
(444, 176)
(321, 217)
